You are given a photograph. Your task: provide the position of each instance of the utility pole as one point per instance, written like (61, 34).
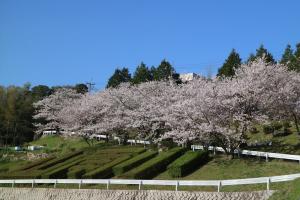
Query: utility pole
(90, 85)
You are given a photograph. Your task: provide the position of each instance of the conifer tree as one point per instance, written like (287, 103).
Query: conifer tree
(231, 63)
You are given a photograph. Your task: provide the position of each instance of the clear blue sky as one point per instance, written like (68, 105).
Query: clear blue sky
(59, 42)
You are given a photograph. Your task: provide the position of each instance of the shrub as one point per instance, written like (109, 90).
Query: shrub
(284, 132)
(34, 164)
(186, 163)
(19, 175)
(253, 130)
(154, 166)
(286, 124)
(168, 143)
(106, 170)
(76, 172)
(268, 129)
(61, 171)
(60, 160)
(133, 162)
(276, 125)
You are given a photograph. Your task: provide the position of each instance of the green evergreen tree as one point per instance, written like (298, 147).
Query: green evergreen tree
(119, 76)
(297, 58)
(164, 71)
(288, 57)
(81, 88)
(141, 74)
(262, 52)
(231, 64)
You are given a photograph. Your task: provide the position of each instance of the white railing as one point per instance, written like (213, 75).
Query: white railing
(266, 155)
(140, 183)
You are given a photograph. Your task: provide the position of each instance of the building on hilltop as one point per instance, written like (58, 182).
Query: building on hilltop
(188, 77)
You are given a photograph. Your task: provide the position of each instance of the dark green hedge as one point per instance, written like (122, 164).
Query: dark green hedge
(187, 163)
(106, 170)
(20, 175)
(76, 172)
(61, 170)
(133, 162)
(154, 166)
(60, 160)
(35, 164)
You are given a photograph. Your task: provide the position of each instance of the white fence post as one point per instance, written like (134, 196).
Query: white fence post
(107, 186)
(219, 186)
(140, 185)
(13, 184)
(214, 150)
(268, 183)
(266, 157)
(55, 183)
(32, 183)
(193, 147)
(80, 184)
(177, 184)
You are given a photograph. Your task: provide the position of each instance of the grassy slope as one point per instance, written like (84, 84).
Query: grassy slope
(290, 191)
(223, 168)
(60, 145)
(288, 144)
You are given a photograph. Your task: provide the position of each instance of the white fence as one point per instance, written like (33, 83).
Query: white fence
(140, 183)
(266, 155)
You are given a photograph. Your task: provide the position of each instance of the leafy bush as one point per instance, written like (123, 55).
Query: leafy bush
(76, 172)
(61, 171)
(17, 175)
(253, 130)
(276, 125)
(60, 160)
(268, 129)
(168, 142)
(280, 133)
(286, 124)
(154, 166)
(186, 163)
(133, 162)
(106, 170)
(34, 164)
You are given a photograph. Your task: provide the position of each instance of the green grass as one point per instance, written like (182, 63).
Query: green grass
(222, 167)
(61, 145)
(289, 144)
(289, 191)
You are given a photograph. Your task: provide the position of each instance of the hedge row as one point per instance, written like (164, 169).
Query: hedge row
(76, 171)
(154, 166)
(133, 162)
(35, 164)
(60, 160)
(61, 170)
(187, 163)
(19, 175)
(106, 170)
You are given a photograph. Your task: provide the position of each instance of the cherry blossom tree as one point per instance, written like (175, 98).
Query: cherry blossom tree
(210, 111)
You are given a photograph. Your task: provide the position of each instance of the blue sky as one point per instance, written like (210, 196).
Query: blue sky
(60, 42)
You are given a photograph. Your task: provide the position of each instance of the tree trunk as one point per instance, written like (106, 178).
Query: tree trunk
(296, 123)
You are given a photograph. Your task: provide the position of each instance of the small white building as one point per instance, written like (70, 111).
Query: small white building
(49, 132)
(33, 148)
(188, 77)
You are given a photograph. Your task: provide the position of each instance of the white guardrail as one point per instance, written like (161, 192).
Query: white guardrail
(140, 183)
(266, 155)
